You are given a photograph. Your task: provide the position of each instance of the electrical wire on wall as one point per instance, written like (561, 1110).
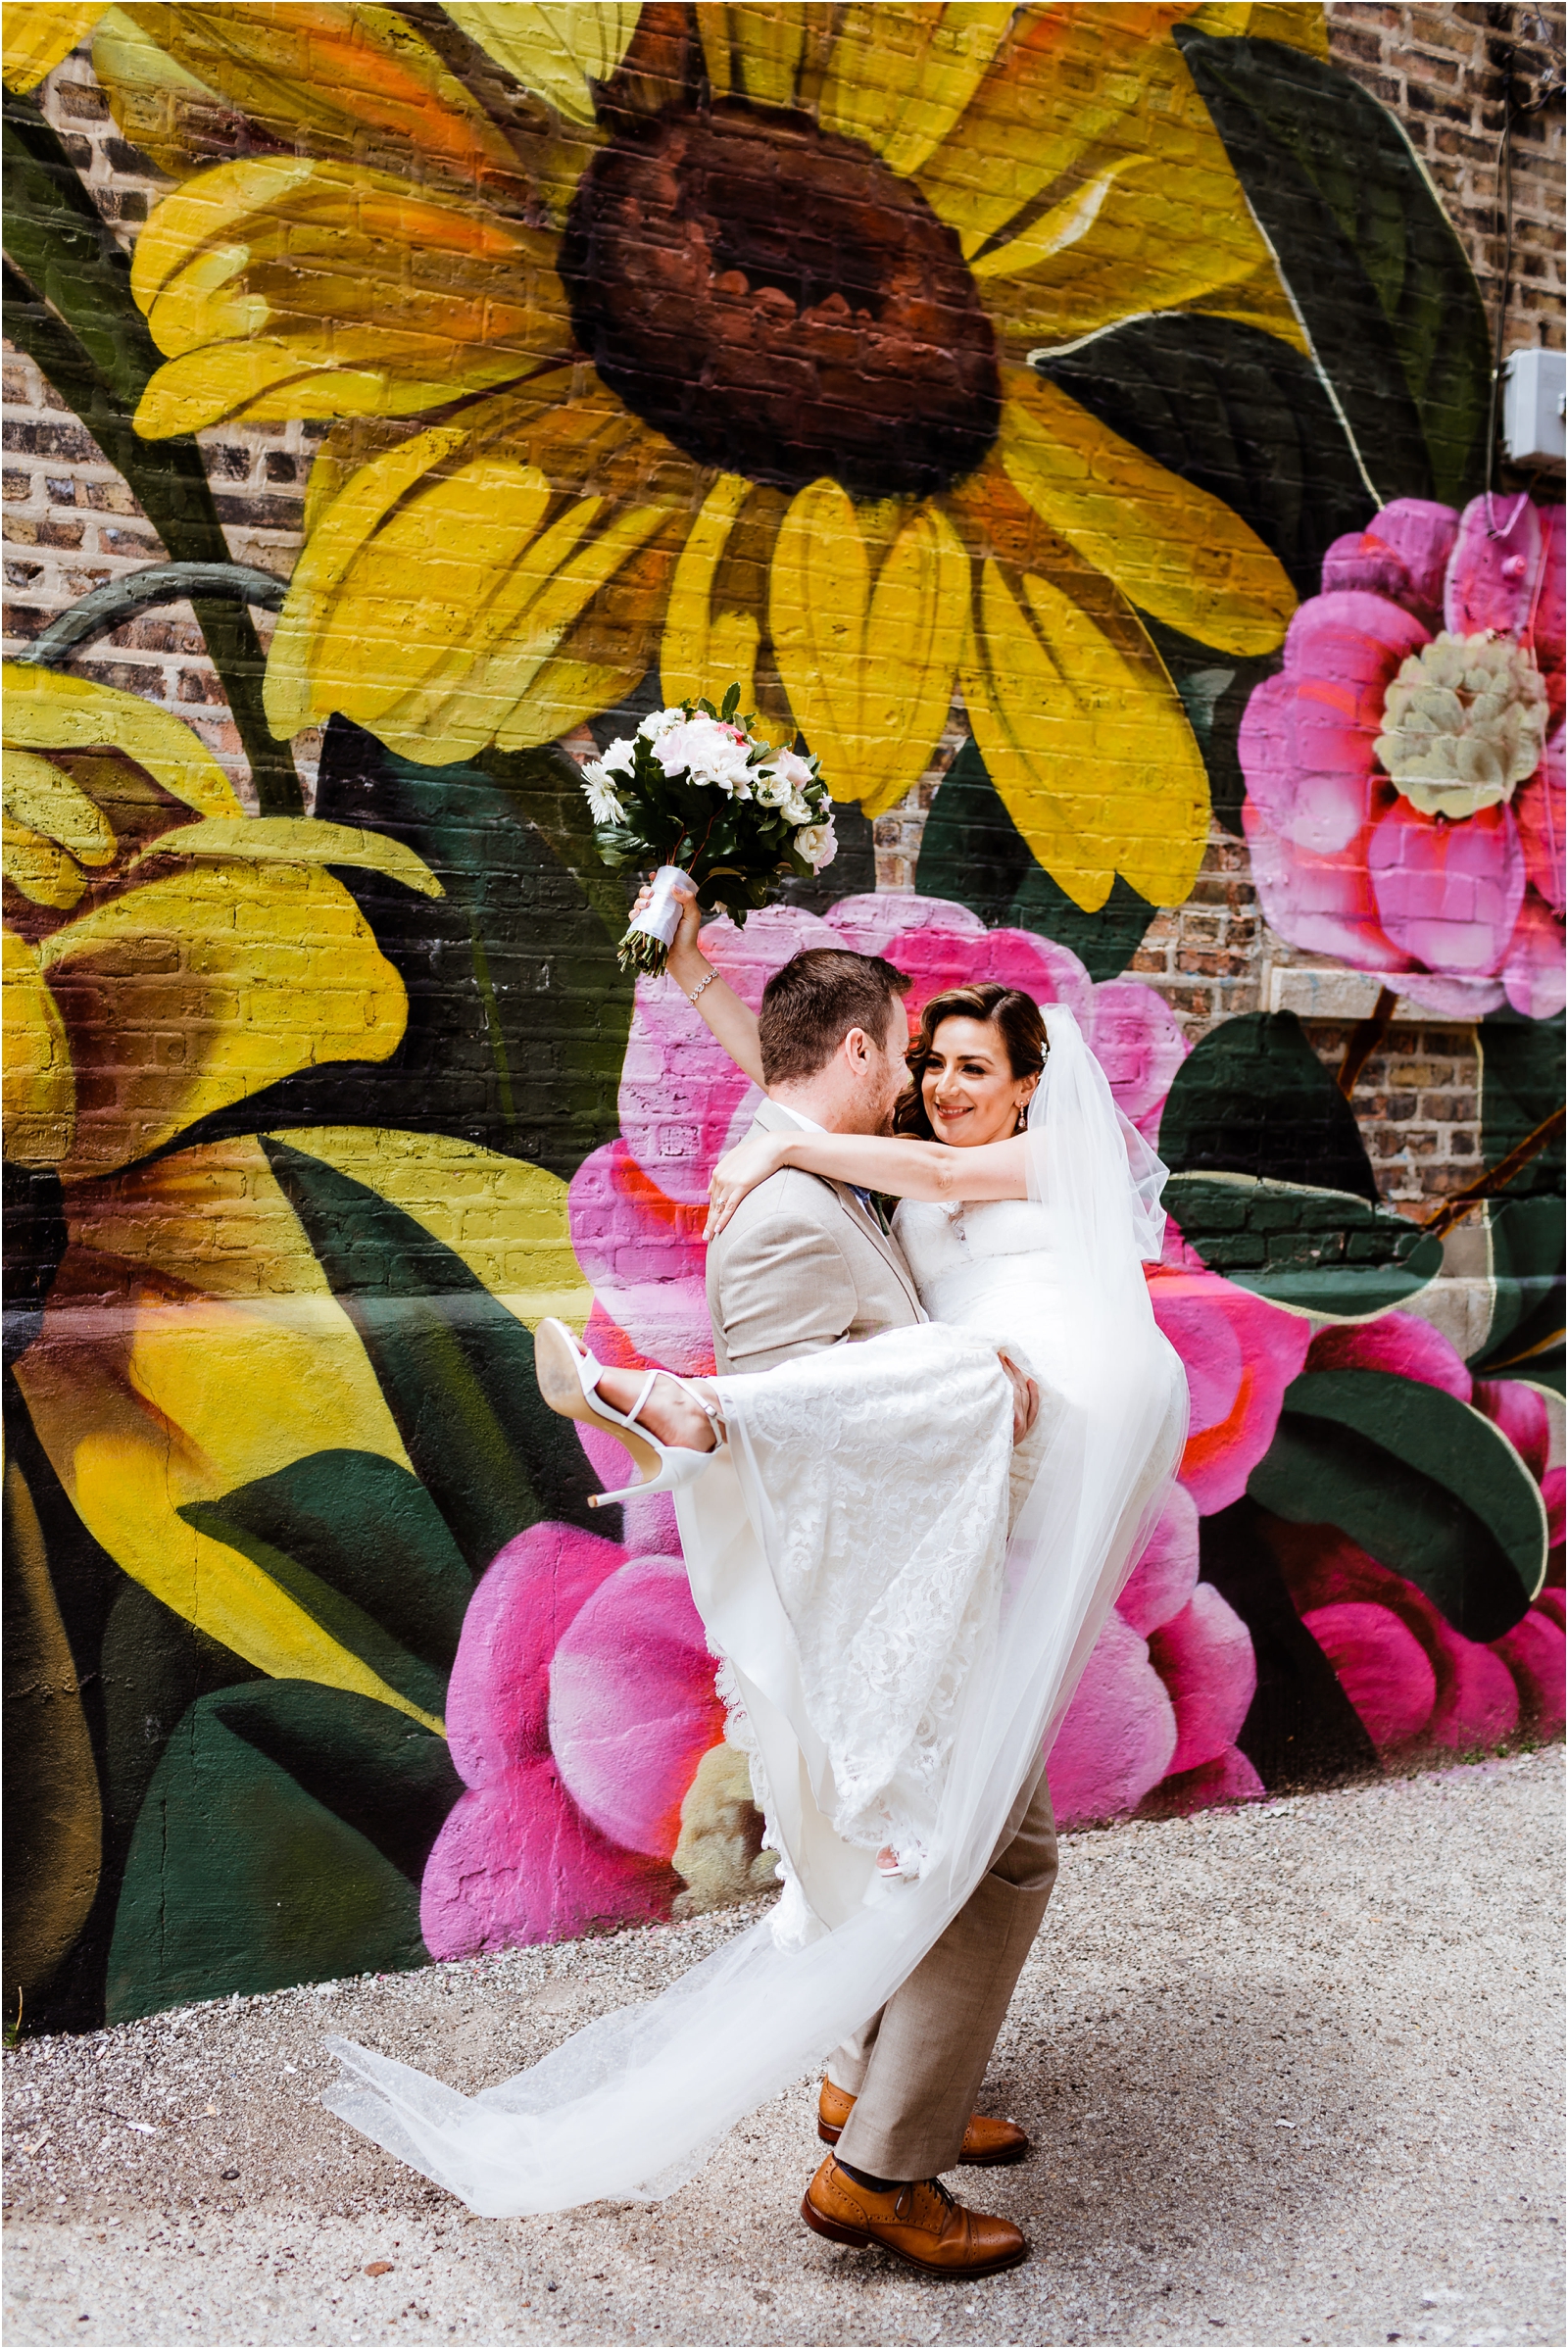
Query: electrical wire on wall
(1514, 108)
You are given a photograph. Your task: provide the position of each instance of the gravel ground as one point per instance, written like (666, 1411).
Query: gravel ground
(1293, 2073)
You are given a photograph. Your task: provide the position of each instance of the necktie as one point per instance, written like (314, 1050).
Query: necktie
(870, 1205)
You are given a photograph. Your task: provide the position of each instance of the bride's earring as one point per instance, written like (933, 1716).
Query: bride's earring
(1023, 1118)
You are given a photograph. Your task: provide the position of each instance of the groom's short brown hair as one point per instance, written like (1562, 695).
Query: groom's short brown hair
(811, 1006)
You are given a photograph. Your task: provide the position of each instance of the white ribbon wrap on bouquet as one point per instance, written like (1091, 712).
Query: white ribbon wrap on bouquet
(661, 918)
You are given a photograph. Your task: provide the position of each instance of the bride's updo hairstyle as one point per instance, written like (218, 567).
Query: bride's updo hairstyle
(1015, 1016)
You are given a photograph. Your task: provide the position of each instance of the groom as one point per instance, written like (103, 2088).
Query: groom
(806, 1263)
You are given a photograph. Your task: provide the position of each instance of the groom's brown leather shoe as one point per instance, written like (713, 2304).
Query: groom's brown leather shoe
(919, 2224)
(986, 2142)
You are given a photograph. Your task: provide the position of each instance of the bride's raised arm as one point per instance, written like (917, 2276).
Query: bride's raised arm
(733, 1022)
(902, 1167)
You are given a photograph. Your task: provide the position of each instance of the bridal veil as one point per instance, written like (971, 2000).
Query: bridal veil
(630, 2107)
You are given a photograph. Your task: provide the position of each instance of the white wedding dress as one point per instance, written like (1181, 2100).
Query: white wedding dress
(902, 1604)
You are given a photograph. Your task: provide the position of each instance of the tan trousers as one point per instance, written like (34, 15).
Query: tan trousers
(915, 2069)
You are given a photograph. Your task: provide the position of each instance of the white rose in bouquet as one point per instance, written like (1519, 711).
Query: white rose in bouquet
(818, 844)
(770, 788)
(659, 722)
(799, 811)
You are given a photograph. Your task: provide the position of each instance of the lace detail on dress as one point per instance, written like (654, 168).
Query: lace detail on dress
(890, 1579)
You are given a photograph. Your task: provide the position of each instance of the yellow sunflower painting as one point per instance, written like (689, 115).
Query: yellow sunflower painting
(701, 337)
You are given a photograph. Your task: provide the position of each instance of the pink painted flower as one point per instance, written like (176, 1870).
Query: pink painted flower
(1240, 1354)
(580, 1704)
(1405, 772)
(1155, 1719)
(1417, 1683)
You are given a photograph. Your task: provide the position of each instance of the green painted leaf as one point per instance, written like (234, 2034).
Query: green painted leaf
(282, 1838)
(1521, 1082)
(1525, 1245)
(1378, 275)
(1301, 1729)
(517, 1010)
(350, 1624)
(1420, 1481)
(456, 1368)
(973, 853)
(1316, 1252)
(370, 1530)
(1236, 412)
(1253, 1099)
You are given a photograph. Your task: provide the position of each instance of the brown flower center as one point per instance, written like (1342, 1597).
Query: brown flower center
(780, 304)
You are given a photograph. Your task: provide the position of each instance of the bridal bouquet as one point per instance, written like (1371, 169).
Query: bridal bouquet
(696, 792)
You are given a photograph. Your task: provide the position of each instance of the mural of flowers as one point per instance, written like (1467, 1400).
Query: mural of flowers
(1062, 376)
(581, 1703)
(833, 477)
(1404, 774)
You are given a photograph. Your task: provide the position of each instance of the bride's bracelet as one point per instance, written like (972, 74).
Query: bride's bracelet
(701, 984)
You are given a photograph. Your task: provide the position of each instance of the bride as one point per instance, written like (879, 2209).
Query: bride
(902, 1600)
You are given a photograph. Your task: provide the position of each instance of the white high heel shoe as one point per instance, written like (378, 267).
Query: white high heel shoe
(569, 1380)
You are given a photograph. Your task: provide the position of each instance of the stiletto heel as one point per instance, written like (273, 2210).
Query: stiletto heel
(568, 1381)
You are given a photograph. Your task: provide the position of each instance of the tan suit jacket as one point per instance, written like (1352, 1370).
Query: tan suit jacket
(801, 1266)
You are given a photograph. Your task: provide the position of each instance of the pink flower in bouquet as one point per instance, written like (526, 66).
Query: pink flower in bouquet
(580, 1704)
(1405, 772)
(1155, 1719)
(1417, 1683)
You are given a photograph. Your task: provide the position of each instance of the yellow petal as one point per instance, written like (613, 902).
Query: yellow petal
(37, 36)
(441, 585)
(155, 104)
(332, 72)
(900, 75)
(1087, 742)
(298, 840)
(1296, 24)
(40, 868)
(173, 1398)
(1061, 84)
(506, 1219)
(868, 616)
(481, 690)
(40, 1092)
(592, 634)
(704, 647)
(281, 286)
(346, 525)
(558, 51)
(255, 971)
(1076, 172)
(44, 797)
(46, 709)
(757, 51)
(1173, 550)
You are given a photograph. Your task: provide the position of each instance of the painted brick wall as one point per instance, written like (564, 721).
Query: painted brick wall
(70, 522)
(312, 1117)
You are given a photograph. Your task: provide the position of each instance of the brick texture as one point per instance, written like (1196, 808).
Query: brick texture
(70, 522)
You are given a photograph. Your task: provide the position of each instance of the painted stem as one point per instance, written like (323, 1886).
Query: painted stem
(118, 600)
